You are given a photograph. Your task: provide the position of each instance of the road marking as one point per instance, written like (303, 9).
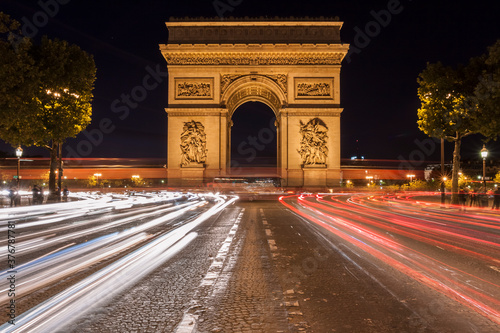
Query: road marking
(272, 245)
(269, 234)
(188, 323)
(495, 268)
(216, 267)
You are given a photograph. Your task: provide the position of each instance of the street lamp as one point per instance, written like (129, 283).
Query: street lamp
(19, 153)
(411, 177)
(484, 154)
(97, 175)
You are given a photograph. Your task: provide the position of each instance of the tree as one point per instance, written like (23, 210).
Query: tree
(92, 181)
(18, 85)
(137, 181)
(487, 93)
(64, 99)
(449, 108)
(497, 177)
(45, 92)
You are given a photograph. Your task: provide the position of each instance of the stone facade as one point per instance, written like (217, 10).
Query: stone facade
(291, 66)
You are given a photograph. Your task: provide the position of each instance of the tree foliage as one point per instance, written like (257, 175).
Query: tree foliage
(446, 111)
(45, 91)
(457, 102)
(497, 177)
(18, 86)
(487, 93)
(65, 94)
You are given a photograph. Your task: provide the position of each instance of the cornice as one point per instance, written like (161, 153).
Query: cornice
(262, 19)
(257, 58)
(255, 47)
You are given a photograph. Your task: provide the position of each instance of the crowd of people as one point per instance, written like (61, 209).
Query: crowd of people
(37, 195)
(478, 199)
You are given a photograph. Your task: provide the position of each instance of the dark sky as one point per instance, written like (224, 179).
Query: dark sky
(378, 85)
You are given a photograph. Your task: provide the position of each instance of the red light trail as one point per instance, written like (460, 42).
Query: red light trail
(454, 252)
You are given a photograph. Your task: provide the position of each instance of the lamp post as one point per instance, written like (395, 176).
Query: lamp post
(97, 175)
(484, 154)
(411, 177)
(443, 196)
(19, 153)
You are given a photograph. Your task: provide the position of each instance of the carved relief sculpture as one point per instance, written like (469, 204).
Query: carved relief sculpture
(193, 88)
(313, 149)
(313, 89)
(193, 144)
(279, 79)
(263, 58)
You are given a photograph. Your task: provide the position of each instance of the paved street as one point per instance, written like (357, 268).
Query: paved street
(185, 263)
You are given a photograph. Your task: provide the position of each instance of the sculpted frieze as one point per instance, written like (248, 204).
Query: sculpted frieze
(193, 88)
(193, 144)
(253, 91)
(279, 79)
(314, 88)
(313, 144)
(267, 58)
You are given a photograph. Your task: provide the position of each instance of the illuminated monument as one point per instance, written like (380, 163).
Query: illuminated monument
(292, 66)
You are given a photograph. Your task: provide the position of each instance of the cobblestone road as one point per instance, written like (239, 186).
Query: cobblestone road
(158, 303)
(257, 267)
(252, 301)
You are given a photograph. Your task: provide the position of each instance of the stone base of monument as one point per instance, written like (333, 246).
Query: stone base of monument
(192, 175)
(314, 175)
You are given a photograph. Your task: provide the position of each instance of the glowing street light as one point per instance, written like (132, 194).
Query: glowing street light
(97, 175)
(19, 153)
(411, 177)
(484, 155)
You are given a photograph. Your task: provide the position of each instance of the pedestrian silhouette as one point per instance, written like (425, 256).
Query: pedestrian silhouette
(496, 199)
(65, 193)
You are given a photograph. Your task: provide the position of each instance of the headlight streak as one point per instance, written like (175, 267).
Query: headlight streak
(100, 287)
(77, 251)
(454, 283)
(82, 223)
(43, 242)
(34, 277)
(83, 206)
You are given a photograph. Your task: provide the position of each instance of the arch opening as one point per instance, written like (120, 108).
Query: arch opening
(253, 138)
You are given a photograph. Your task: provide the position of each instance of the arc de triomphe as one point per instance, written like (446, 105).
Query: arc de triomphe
(291, 66)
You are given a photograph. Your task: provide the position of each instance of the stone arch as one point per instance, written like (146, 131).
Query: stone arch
(292, 66)
(241, 151)
(254, 88)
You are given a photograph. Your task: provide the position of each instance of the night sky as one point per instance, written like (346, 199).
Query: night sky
(378, 84)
